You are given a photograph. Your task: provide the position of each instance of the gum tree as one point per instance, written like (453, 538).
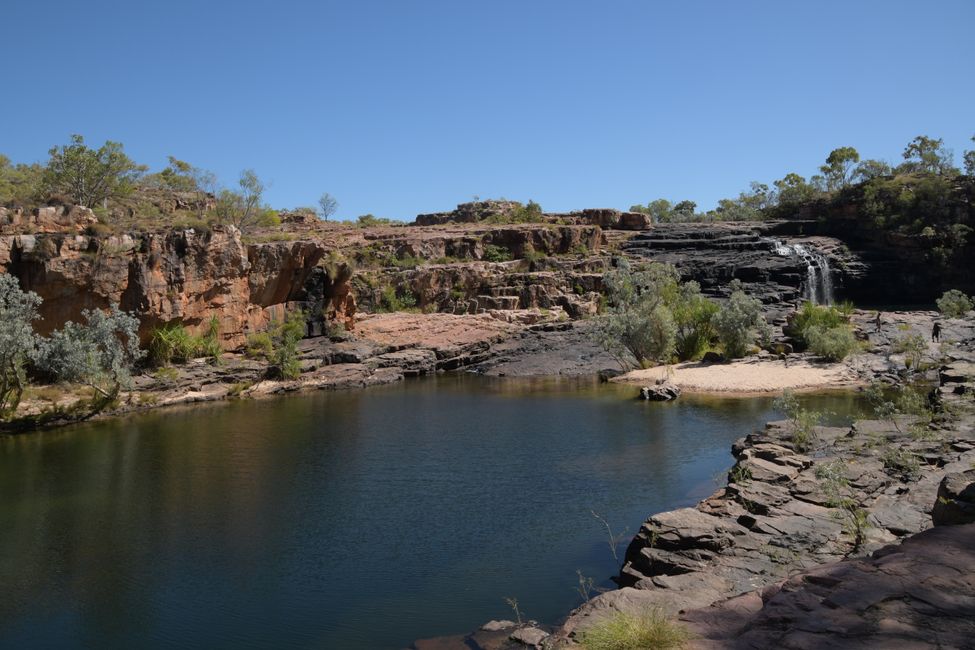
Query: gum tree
(18, 343)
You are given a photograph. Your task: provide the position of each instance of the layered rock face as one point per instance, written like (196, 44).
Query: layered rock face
(179, 276)
(776, 262)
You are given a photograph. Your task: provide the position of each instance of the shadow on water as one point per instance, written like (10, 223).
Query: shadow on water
(354, 519)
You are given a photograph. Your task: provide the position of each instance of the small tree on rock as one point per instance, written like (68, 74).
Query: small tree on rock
(90, 176)
(327, 206)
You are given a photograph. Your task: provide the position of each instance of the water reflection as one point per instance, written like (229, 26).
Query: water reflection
(303, 521)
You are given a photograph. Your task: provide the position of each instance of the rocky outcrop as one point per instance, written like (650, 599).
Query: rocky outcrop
(472, 212)
(178, 276)
(918, 594)
(956, 500)
(46, 219)
(715, 254)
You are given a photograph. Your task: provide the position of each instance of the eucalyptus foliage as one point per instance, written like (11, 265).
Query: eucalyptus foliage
(99, 354)
(739, 322)
(18, 342)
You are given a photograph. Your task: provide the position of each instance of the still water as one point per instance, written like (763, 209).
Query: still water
(361, 519)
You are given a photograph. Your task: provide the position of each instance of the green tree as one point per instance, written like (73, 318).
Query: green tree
(924, 154)
(684, 210)
(19, 184)
(793, 189)
(18, 343)
(839, 168)
(660, 210)
(969, 159)
(327, 206)
(739, 322)
(693, 314)
(871, 169)
(639, 327)
(244, 208)
(90, 176)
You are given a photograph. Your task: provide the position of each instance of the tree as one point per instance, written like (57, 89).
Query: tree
(89, 176)
(685, 209)
(19, 184)
(244, 208)
(924, 154)
(793, 189)
(327, 205)
(871, 169)
(660, 210)
(969, 159)
(18, 343)
(99, 354)
(839, 168)
(639, 327)
(739, 322)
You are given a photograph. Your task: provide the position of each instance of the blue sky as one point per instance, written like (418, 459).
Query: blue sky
(401, 107)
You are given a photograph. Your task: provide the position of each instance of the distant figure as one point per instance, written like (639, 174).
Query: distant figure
(936, 332)
(877, 321)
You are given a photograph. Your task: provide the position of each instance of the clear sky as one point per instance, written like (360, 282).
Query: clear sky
(398, 107)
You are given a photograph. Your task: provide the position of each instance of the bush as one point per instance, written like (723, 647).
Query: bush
(739, 323)
(639, 326)
(494, 253)
(693, 317)
(18, 310)
(803, 420)
(625, 631)
(99, 354)
(832, 344)
(392, 299)
(279, 346)
(172, 343)
(913, 346)
(954, 304)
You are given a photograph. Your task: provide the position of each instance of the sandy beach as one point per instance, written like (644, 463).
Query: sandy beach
(745, 376)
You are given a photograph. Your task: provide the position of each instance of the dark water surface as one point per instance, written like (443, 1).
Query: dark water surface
(342, 520)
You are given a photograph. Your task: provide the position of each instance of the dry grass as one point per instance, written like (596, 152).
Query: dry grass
(650, 630)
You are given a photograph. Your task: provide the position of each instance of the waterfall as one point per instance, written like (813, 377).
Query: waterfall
(818, 287)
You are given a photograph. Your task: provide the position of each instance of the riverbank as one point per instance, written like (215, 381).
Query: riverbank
(387, 348)
(793, 509)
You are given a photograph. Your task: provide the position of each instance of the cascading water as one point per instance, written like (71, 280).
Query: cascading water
(818, 287)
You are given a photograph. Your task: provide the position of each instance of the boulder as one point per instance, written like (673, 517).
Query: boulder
(956, 500)
(660, 393)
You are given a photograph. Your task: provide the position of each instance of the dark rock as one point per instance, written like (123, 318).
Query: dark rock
(713, 357)
(956, 500)
(660, 392)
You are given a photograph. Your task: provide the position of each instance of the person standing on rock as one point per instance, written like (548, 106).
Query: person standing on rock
(936, 332)
(877, 322)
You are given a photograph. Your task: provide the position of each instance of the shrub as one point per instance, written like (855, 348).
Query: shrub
(172, 343)
(495, 253)
(279, 346)
(833, 344)
(739, 322)
(693, 317)
(99, 354)
(259, 345)
(625, 631)
(803, 420)
(639, 326)
(18, 309)
(392, 299)
(913, 346)
(954, 304)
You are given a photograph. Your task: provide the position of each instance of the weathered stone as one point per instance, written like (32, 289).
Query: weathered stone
(660, 392)
(955, 503)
